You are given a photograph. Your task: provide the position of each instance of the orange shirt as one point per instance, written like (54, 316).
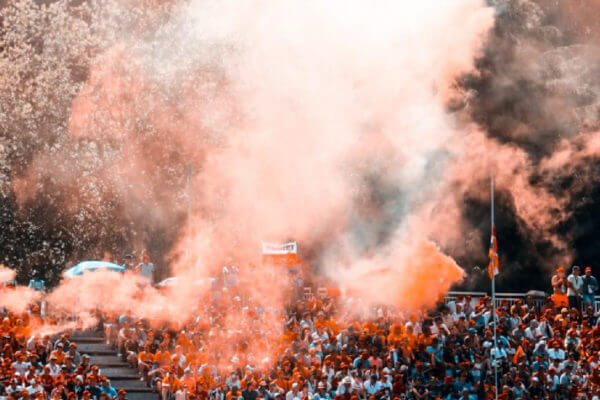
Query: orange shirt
(171, 382)
(190, 382)
(205, 381)
(162, 357)
(60, 356)
(283, 383)
(145, 357)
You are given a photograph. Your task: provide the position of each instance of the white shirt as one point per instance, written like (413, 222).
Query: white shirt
(21, 367)
(36, 387)
(292, 396)
(577, 282)
(146, 270)
(556, 354)
(531, 333)
(373, 388)
(343, 389)
(54, 369)
(497, 354)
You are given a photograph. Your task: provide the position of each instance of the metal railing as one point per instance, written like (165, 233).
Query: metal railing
(507, 299)
(502, 299)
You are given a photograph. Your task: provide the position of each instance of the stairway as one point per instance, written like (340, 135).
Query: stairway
(105, 357)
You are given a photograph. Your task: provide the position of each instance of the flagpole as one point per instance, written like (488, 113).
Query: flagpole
(494, 295)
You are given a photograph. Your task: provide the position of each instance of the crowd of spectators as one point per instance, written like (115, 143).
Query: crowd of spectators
(50, 367)
(46, 367)
(544, 348)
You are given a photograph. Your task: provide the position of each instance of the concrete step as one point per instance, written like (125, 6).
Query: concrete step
(87, 333)
(87, 339)
(104, 361)
(120, 373)
(99, 349)
(131, 385)
(142, 396)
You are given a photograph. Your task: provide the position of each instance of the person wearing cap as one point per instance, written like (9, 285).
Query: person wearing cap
(574, 286)
(35, 387)
(146, 268)
(321, 393)
(345, 387)
(145, 358)
(59, 391)
(590, 287)
(68, 365)
(78, 385)
(121, 394)
(556, 352)
(128, 262)
(64, 339)
(559, 287)
(362, 361)
(21, 365)
(34, 361)
(373, 386)
(59, 353)
(92, 386)
(108, 389)
(293, 393)
(565, 378)
(74, 353)
(53, 366)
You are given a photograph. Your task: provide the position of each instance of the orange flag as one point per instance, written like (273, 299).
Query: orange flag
(494, 266)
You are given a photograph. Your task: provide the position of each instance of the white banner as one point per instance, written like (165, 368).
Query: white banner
(285, 248)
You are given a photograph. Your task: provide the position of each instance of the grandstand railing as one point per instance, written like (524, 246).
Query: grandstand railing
(502, 299)
(507, 299)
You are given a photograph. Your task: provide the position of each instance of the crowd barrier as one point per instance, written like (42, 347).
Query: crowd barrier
(508, 299)
(502, 299)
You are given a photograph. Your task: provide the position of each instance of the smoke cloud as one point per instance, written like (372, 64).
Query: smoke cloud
(366, 131)
(15, 299)
(321, 122)
(534, 99)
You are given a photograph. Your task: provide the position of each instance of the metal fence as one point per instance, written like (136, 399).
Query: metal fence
(508, 299)
(502, 299)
